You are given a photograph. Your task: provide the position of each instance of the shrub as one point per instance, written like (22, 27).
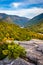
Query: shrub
(12, 50)
(2, 47)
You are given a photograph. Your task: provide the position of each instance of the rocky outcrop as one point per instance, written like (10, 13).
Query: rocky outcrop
(18, 61)
(34, 50)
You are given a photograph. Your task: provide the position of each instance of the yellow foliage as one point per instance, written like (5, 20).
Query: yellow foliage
(5, 52)
(4, 40)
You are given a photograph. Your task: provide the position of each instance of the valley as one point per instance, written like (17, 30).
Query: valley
(11, 30)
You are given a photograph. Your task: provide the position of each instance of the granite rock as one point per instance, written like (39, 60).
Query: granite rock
(34, 50)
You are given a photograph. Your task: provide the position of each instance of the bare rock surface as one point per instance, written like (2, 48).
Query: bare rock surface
(34, 50)
(21, 62)
(18, 61)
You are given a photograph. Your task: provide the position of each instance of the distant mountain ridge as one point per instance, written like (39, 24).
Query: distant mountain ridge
(21, 21)
(36, 24)
(35, 20)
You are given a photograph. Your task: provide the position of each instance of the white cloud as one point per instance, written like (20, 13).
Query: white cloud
(30, 13)
(16, 5)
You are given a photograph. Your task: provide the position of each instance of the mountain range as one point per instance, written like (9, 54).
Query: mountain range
(32, 28)
(34, 24)
(21, 21)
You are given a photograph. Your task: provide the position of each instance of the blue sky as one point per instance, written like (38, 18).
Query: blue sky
(25, 8)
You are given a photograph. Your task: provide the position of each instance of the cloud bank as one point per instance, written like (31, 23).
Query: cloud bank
(29, 13)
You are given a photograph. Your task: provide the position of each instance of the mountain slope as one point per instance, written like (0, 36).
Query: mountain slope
(12, 31)
(36, 24)
(37, 28)
(21, 21)
(35, 20)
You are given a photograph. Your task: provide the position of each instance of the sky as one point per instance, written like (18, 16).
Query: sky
(24, 8)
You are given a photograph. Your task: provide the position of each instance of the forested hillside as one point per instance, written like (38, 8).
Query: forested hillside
(37, 28)
(14, 32)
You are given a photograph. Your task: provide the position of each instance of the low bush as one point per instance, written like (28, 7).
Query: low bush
(11, 50)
